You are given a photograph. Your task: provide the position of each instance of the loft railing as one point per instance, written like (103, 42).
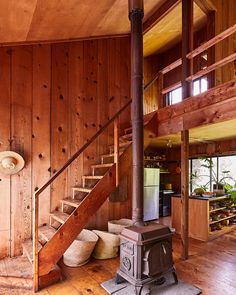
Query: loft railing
(114, 119)
(215, 40)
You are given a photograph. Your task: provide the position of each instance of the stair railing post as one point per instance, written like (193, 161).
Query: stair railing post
(116, 149)
(35, 242)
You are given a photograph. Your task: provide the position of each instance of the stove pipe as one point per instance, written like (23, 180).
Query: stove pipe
(135, 15)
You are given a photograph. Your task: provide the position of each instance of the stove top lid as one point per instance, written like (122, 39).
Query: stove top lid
(147, 233)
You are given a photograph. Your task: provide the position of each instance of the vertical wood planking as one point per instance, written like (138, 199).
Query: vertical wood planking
(90, 106)
(21, 193)
(75, 111)
(59, 121)
(114, 101)
(60, 96)
(5, 134)
(102, 94)
(41, 161)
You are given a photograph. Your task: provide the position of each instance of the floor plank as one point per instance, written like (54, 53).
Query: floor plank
(211, 267)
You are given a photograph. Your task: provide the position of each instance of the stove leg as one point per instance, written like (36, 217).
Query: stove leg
(119, 279)
(175, 277)
(138, 290)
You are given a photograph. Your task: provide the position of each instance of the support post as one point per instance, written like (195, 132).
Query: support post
(187, 46)
(116, 149)
(160, 95)
(136, 15)
(35, 243)
(184, 192)
(211, 51)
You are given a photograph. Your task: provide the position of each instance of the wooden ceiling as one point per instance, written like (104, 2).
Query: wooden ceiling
(50, 20)
(204, 134)
(167, 32)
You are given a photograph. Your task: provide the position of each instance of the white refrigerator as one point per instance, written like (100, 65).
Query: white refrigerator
(151, 193)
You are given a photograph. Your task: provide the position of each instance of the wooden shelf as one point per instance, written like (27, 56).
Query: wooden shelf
(228, 217)
(224, 230)
(218, 209)
(152, 160)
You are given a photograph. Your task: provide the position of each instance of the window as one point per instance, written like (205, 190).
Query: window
(204, 172)
(200, 85)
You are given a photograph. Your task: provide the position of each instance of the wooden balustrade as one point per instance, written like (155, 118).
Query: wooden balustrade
(215, 40)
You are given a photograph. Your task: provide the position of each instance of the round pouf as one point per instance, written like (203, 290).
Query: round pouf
(116, 226)
(107, 245)
(81, 249)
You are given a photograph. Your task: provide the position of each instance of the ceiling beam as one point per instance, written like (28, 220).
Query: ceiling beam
(159, 14)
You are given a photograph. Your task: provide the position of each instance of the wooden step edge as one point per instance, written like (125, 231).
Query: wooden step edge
(28, 249)
(92, 177)
(106, 165)
(71, 202)
(59, 216)
(82, 189)
(47, 232)
(127, 130)
(126, 136)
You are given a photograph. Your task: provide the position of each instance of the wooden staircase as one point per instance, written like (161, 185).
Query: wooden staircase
(51, 240)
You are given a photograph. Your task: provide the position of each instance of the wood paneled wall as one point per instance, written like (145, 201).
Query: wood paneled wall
(53, 99)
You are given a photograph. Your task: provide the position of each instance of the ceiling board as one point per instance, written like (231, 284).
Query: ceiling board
(42, 20)
(204, 134)
(167, 32)
(15, 19)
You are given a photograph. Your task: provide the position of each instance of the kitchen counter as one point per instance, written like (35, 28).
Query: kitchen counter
(217, 198)
(199, 211)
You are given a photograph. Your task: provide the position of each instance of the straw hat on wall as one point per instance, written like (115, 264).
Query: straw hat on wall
(10, 163)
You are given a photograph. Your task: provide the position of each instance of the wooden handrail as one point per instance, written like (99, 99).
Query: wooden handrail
(212, 67)
(212, 41)
(40, 190)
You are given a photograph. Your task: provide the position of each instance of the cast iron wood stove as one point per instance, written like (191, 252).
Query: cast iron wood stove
(146, 251)
(145, 255)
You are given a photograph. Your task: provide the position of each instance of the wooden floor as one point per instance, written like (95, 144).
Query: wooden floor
(211, 267)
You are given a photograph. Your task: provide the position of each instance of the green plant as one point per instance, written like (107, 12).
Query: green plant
(213, 177)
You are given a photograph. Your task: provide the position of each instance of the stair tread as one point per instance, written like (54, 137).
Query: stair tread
(71, 202)
(92, 176)
(47, 232)
(82, 189)
(127, 136)
(60, 216)
(28, 248)
(102, 165)
(128, 130)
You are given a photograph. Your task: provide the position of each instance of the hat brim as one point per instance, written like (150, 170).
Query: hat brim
(20, 163)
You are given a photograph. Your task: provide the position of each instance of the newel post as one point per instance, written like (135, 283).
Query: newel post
(35, 242)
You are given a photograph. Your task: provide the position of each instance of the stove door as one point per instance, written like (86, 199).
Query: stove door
(158, 258)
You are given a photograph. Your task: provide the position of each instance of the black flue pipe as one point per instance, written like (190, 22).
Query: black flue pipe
(136, 13)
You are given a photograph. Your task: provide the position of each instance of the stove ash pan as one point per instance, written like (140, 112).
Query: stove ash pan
(146, 254)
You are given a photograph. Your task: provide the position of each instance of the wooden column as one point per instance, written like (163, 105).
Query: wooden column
(135, 16)
(187, 69)
(184, 192)
(187, 46)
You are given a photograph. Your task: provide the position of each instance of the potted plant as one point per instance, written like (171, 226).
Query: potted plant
(219, 185)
